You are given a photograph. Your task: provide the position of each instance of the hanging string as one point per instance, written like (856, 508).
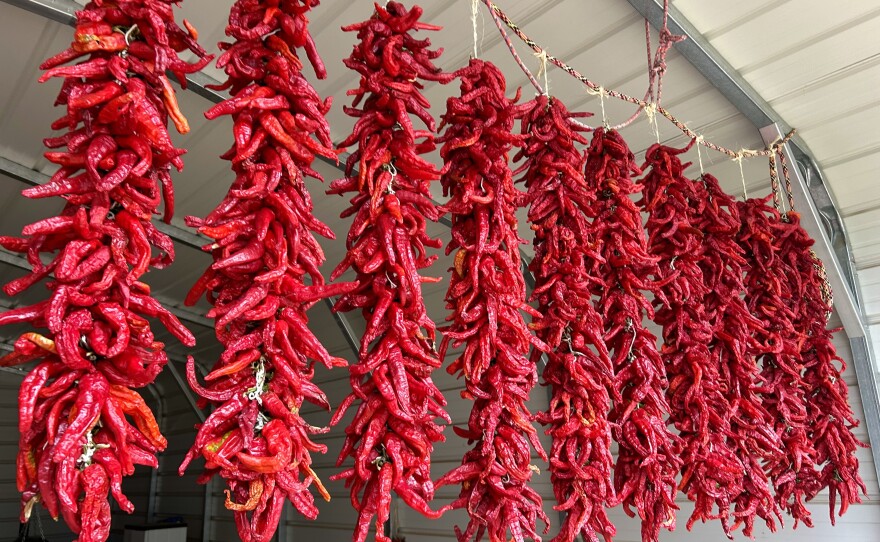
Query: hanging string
(474, 8)
(512, 49)
(739, 160)
(666, 40)
(542, 56)
(774, 183)
(500, 17)
(699, 141)
(600, 92)
(651, 113)
(786, 176)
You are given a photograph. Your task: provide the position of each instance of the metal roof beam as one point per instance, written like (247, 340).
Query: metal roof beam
(32, 177)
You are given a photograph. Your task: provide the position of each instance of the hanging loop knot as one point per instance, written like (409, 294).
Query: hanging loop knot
(542, 70)
(698, 141)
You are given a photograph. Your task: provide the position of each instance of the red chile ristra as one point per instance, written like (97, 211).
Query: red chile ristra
(486, 294)
(830, 419)
(263, 250)
(707, 329)
(648, 460)
(81, 426)
(768, 293)
(579, 368)
(394, 428)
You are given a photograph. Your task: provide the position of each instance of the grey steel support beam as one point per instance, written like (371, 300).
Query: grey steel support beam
(32, 177)
(710, 63)
(182, 314)
(61, 11)
(153, 497)
(863, 362)
(345, 327)
(184, 389)
(844, 299)
(6, 347)
(64, 12)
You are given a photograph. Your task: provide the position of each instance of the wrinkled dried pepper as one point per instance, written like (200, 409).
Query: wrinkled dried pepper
(579, 368)
(707, 329)
(648, 454)
(830, 419)
(265, 274)
(395, 425)
(770, 298)
(81, 428)
(486, 294)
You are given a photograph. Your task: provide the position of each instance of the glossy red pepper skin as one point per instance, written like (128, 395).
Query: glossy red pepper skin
(265, 274)
(486, 293)
(578, 368)
(113, 177)
(395, 424)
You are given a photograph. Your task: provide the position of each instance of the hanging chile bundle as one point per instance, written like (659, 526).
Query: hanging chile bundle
(578, 368)
(648, 454)
(394, 428)
(486, 294)
(264, 253)
(769, 296)
(830, 420)
(82, 426)
(707, 330)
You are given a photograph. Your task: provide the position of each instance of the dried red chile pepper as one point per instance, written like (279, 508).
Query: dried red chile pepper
(265, 253)
(81, 428)
(395, 425)
(707, 331)
(486, 294)
(648, 454)
(830, 420)
(578, 368)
